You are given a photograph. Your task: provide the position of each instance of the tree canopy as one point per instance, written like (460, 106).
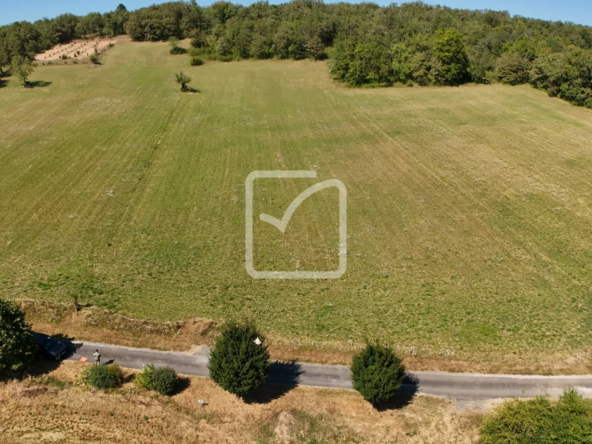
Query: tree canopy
(238, 363)
(412, 43)
(17, 346)
(22, 68)
(377, 373)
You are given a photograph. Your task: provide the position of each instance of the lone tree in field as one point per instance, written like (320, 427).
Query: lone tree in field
(377, 373)
(17, 346)
(239, 362)
(22, 68)
(182, 79)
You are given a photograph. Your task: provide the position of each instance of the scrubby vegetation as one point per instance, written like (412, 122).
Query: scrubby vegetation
(239, 363)
(101, 376)
(369, 45)
(159, 379)
(51, 409)
(17, 346)
(195, 61)
(541, 421)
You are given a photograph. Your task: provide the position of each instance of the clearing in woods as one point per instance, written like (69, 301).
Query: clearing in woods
(469, 209)
(77, 49)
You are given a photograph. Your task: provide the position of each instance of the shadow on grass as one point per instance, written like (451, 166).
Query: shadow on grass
(182, 384)
(37, 84)
(283, 377)
(3, 82)
(190, 90)
(403, 397)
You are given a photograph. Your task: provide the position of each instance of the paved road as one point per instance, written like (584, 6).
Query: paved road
(451, 385)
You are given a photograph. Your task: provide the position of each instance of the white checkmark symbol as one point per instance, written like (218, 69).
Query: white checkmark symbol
(283, 223)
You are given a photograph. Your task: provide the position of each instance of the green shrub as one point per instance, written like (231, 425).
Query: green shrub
(177, 50)
(94, 59)
(539, 420)
(17, 346)
(194, 52)
(100, 377)
(195, 61)
(237, 363)
(159, 379)
(84, 377)
(116, 371)
(377, 373)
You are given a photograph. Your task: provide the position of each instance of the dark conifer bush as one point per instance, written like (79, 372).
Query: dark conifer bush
(237, 363)
(377, 373)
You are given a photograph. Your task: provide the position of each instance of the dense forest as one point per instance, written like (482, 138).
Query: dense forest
(367, 45)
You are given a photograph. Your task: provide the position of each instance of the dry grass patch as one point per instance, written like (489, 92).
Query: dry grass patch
(76, 50)
(34, 411)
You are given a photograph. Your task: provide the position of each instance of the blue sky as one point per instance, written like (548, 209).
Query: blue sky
(577, 11)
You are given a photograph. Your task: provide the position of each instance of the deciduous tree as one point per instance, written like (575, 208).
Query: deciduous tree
(449, 50)
(17, 346)
(182, 79)
(22, 68)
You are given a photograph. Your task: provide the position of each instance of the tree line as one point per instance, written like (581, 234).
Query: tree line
(368, 45)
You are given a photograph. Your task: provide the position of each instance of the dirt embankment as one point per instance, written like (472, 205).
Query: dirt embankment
(51, 409)
(100, 325)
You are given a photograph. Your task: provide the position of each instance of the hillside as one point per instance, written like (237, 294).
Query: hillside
(468, 208)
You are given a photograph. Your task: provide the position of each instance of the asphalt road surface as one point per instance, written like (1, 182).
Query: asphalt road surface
(459, 386)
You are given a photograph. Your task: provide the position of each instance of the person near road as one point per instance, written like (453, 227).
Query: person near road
(97, 357)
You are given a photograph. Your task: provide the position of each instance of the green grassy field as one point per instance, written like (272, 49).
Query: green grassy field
(469, 209)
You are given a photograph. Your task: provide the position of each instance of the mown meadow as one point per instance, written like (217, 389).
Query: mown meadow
(469, 208)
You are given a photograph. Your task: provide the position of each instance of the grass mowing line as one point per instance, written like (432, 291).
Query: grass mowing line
(457, 246)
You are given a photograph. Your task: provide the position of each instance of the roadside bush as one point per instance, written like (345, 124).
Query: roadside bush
(377, 373)
(237, 363)
(17, 346)
(94, 59)
(177, 50)
(84, 377)
(116, 371)
(540, 420)
(159, 379)
(100, 377)
(195, 61)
